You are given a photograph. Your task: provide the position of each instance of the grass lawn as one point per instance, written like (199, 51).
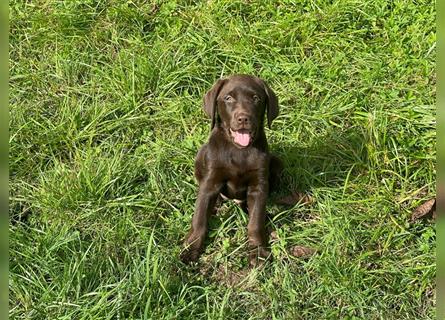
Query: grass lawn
(105, 121)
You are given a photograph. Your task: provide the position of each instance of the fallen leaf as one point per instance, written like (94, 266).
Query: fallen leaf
(301, 252)
(294, 198)
(425, 210)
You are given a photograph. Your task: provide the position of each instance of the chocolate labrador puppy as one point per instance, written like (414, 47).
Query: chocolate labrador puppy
(236, 163)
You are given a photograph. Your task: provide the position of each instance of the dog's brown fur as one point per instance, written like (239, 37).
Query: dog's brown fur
(223, 167)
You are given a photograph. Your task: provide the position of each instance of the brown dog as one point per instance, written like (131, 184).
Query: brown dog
(236, 163)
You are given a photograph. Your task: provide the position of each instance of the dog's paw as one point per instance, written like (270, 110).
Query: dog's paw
(258, 256)
(189, 255)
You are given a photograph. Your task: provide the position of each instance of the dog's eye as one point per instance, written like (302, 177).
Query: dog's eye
(256, 98)
(228, 99)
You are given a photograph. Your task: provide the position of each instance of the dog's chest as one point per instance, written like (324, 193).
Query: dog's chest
(238, 178)
(239, 169)
(242, 161)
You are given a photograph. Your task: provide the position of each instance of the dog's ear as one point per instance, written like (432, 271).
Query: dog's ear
(210, 100)
(272, 104)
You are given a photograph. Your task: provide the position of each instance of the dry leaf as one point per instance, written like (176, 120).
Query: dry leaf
(425, 210)
(295, 198)
(301, 252)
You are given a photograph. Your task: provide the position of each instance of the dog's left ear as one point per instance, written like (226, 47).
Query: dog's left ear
(271, 103)
(210, 100)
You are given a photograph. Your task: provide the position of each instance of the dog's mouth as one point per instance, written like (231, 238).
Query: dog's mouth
(242, 137)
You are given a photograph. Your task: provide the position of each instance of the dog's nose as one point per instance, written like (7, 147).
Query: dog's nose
(243, 119)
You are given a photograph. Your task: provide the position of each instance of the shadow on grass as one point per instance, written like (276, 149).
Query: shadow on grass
(18, 213)
(327, 161)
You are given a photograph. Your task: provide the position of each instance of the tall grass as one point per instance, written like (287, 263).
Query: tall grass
(105, 121)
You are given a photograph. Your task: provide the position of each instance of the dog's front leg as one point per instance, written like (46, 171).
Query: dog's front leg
(209, 189)
(256, 229)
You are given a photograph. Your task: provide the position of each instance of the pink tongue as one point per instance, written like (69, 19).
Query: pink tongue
(243, 139)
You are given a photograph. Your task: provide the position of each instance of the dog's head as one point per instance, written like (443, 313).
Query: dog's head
(238, 104)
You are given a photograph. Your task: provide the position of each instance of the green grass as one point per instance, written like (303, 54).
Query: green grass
(105, 121)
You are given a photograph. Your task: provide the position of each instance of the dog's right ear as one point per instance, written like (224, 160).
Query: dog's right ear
(210, 100)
